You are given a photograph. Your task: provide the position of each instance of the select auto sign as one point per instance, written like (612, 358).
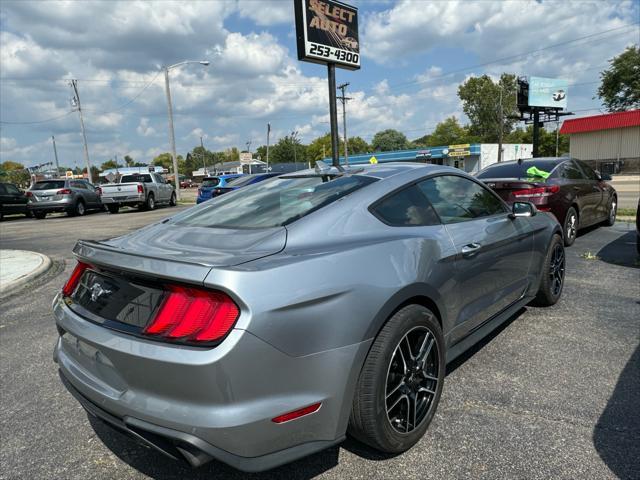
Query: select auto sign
(327, 32)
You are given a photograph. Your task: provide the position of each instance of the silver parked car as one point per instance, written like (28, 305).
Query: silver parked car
(265, 324)
(73, 196)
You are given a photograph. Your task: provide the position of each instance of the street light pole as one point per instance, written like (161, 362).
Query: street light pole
(268, 133)
(172, 136)
(204, 162)
(55, 152)
(344, 100)
(74, 84)
(294, 138)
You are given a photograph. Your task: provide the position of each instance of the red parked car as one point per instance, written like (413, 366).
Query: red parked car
(576, 194)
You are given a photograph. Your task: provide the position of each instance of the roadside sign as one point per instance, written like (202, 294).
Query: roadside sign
(373, 160)
(327, 32)
(68, 174)
(110, 177)
(462, 150)
(548, 92)
(246, 157)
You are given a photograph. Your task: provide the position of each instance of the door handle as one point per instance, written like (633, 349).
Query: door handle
(470, 249)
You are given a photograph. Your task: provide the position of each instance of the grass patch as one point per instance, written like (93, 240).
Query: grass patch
(627, 212)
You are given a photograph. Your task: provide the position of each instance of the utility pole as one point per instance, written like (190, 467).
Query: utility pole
(172, 136)
(501, 127)
(536, 131)
(294, 139)
(55, 152)
(344, 101)
(268, 134)
(557, 135)
(333, 115)
(74, 85)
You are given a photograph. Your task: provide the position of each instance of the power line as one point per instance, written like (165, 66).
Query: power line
(35, 122)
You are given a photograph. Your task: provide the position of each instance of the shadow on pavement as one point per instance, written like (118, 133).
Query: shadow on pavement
(616, 436)
(157, 466)
(621, 251)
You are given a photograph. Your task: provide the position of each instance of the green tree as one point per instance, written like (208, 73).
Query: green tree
(447, 132)
(288, 149)
(128, 161)
(620, 84)
(111, 163)
(165, 160)
(357, 145)
(481, 99)
(388, 140)
(14, 172)
(547, 147)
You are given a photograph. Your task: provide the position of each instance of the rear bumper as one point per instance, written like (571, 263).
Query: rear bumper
(124, 200)
(183, 446)
(218, 401)
(57, 206)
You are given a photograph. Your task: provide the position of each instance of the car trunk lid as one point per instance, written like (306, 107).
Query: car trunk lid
(120, 189)
(506, 187)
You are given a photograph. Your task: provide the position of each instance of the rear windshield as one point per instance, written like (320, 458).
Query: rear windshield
(242, 181)
(210, 182)
(48, 185)
(139, 178)
(518, 170)
(274, 203)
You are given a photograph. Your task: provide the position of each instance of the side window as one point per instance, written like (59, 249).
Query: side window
(78, 185)
(11, 189)
(588, 171)
(406, 208)
(571, 171)
(457, 199)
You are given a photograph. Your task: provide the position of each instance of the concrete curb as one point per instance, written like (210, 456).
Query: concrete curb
(14, 285)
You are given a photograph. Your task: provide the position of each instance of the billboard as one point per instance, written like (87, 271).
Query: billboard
(327, 32)
(463, 150)
(548, 92)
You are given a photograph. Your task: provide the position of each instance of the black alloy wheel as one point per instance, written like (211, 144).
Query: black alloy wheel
(412, 379)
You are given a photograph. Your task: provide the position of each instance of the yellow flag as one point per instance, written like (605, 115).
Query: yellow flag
(373, 160)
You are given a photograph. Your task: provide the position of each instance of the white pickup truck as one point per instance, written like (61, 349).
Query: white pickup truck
(142, 190)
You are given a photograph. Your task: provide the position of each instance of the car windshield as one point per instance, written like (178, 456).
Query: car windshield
(242, 181)
(210, 182)
(519, 170)
(48, 185)
(140, 178)
(274, 203)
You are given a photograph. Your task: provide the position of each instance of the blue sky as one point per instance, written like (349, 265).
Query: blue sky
(414, 55)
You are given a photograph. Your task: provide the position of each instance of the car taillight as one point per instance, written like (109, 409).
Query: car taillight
(99, 191)
(29, 194)
(537, 192)
(140, 189)
(193, 315)
(64, 191)
(74, 279)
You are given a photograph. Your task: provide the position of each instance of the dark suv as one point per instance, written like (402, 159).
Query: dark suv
(12, 200)
(571, 190)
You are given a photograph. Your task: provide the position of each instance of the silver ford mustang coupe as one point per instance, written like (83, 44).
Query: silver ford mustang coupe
(264, 325)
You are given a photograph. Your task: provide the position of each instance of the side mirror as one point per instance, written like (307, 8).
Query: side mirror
(523, 209)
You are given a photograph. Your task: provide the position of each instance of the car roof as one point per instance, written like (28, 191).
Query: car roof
(537, 161)
(383, 170)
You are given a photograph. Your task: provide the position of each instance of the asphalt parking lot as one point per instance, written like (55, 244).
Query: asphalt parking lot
(553, 394)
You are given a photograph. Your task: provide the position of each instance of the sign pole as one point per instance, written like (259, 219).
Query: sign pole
(536, 131)
(333, 114)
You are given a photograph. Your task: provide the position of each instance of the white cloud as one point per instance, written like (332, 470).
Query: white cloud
(144, 128)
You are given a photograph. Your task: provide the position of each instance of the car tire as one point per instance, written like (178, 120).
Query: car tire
(39, 215)
(78, 209)
(613, 212)
(552, 275)
(570, 227)
(380, 415)
(113, 208)
(173, 201)
(150, 204)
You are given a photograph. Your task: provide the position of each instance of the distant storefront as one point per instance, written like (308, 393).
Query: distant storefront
(471, 157)
(609, 143)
